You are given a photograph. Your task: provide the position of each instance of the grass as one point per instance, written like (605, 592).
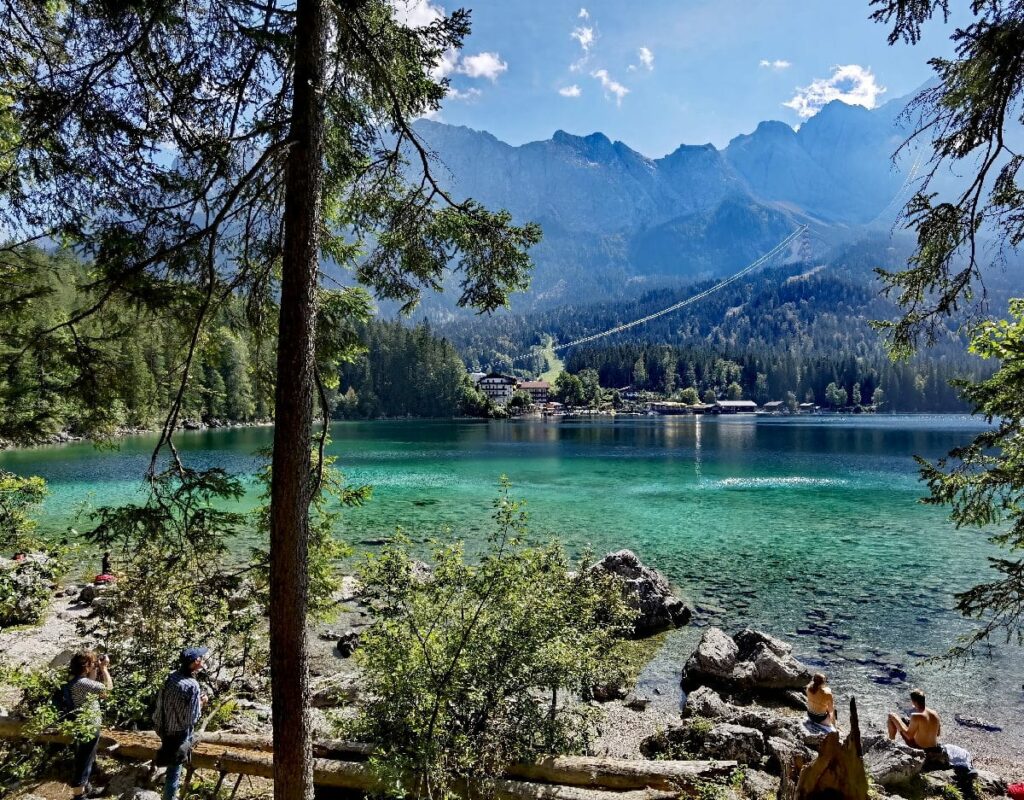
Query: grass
(555, 365)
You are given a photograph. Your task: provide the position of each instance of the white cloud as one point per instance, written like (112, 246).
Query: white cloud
(446, 65)
(584, 14)
(570, 91)
(778, 64)
(646, 57)
(850, 83)
(585, 36)
(416, 13)
(483, 65)
(469, 94)
(610, 86)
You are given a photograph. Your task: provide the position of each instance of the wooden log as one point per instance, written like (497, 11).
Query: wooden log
(344, 774)
(619, 773)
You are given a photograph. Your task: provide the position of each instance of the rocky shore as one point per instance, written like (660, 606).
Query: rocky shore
(69, 437)
(743, 696)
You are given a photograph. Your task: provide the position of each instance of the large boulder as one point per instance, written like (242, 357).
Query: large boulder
(889, 763)
(750, 661)
(647, 591)
(715, 657)
(705, 702)
(734, 742)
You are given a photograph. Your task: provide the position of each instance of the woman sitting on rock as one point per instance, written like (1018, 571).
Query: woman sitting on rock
(821, 706)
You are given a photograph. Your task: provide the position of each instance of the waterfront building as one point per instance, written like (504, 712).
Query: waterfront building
(539, 391)
(498, 387)
(735, 407)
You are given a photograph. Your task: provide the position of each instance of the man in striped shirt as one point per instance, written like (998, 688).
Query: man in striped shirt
(178, 708)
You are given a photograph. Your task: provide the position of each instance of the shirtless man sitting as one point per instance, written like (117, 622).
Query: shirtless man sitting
(922, 730)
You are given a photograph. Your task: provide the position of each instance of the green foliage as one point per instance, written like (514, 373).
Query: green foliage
(178, 586)
(836, 395)
(19, 498)
(982, 481)
(464, 665)
(964, 116)
(689, 396)
(520, 400)
(568, 389)
(25, 591)
(407, 370)
(325, 551)
(100, 374)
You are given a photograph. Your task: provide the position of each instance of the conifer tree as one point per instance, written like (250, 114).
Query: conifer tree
(192, 152)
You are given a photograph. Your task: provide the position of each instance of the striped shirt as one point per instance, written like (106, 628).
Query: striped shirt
(177, 707)
(85, 696)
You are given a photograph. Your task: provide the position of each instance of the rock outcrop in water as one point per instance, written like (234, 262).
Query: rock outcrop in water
(750, 661)
(647, 591)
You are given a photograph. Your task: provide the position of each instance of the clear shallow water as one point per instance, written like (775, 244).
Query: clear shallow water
(809, 527)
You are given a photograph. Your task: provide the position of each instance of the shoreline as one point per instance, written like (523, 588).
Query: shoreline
(629, 724)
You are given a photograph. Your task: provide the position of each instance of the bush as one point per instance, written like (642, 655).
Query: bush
(465, 667)
(25, 591)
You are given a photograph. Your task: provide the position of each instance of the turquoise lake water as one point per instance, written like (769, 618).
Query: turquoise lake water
(807, 527)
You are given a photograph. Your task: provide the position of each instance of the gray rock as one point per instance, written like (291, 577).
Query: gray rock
(333, 691)
(774, 671)
(635, 702)
(734, 742)
(347, 643)
(991, 783)
(715, 657)
(784, 752)
(136, 793)
(759, 785)
(748, 640)
(647, 591)
(889, 763)
(705, 702)
(974, 722)
(749, 662)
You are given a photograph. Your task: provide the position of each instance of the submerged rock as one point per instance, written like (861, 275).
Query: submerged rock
(647, 591)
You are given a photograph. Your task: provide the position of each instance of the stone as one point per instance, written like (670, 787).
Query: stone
(974, 722)
(347, 643)
(606, 692)
(991, 783)
(750, 662)
(734, 742)
(136, 793)
(647, 591)
(749, 640)
(705, 702)
(332, 691)
(759, 785)
(888, 763)
(715, 657)
(329, 636)
(782, 752)
(774, 671)
(635, 702)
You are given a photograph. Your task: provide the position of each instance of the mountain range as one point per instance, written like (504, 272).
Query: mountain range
(616, 222)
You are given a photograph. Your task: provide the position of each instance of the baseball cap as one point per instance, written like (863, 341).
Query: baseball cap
(190, 654)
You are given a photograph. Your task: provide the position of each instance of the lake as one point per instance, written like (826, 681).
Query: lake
(808, 527)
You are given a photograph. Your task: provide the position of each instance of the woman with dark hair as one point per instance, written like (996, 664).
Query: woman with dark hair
(821, 705)
(90, 680)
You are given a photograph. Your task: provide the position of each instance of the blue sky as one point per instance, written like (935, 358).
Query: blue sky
(659, 73)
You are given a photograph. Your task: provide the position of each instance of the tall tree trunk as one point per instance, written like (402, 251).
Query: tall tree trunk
(292, 481)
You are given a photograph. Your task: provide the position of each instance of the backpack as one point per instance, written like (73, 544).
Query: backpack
(63, 701)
